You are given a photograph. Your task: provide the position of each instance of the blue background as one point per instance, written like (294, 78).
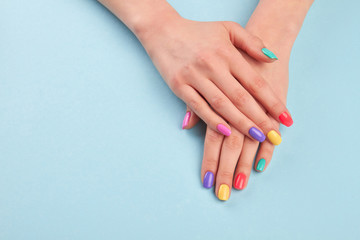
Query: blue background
(91, 145)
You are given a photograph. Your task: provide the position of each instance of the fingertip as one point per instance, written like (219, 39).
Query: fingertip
(269, 54)
(260, 165)
(186, 120)
(224, 129)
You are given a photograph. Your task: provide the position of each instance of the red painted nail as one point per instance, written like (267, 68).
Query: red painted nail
(286, 119)
(240, 181)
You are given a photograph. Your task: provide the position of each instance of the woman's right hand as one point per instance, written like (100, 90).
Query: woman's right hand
(201, 64)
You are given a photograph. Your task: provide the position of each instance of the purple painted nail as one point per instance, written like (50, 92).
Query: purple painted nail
(208, 180)
(257, 134)
(223, 129)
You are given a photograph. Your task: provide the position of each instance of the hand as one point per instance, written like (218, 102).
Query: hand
(201, 64)
(234, 156)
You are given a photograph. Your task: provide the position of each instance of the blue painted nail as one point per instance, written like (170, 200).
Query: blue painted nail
(269, 53)
(261, 165)
(257, 134)
(208, 180)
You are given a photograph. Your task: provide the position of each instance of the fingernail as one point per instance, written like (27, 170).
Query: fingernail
(261, 165)
(223, 129)
(208, 180)
(257, 134)
(240, 181)
(274, 137)
(186, 119)
(269, 53)
(224, 192)
(286, 119)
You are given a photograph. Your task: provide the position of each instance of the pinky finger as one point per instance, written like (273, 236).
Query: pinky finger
(265, 152)
(264, 156)
(190, 119)
(201, 108)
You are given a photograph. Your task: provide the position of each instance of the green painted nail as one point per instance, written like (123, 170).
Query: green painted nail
(269, 53)
(261, 165)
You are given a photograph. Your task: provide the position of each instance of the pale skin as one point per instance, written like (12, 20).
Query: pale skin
(220, 72)
(201, 64)
(228, 157)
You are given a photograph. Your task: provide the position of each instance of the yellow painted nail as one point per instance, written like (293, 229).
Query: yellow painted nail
(274, 137)
(224, 192)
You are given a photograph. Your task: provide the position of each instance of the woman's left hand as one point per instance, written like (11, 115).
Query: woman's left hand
(228, 161)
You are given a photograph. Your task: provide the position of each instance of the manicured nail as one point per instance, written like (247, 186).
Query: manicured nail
(286, 119)
(257, 134)
(224, 192)
(223, 129)
(208, 180)
(240, 181)
(274, 137)
(186, 119)
(269, 53)
(261, 165)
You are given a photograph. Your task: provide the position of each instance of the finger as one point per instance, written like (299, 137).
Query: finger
(230, 152)
(190, 119)
(249, 43)
(264, 155)
(245, 163)
(222, 105)
(203, 110)
(260, 89)
(247, 105)
(212, 147)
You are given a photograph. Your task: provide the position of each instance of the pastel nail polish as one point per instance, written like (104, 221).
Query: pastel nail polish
(208, 179)
(274, 137)
(223, 129)
(257, 134)
(261, 165)
(286, 119)
(239, 182)
(269, 53)
(224, 192)
(186, 119)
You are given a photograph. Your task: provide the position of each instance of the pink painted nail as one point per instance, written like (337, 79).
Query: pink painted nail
(186, 119)
(223, 129)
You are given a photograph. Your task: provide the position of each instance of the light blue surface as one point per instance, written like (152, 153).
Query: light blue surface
(91, 145)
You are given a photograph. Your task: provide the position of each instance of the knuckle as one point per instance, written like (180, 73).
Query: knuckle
(263, 124)
(223, 51)
(214, 137)
(226, 174)
(268, 153)
(240, 98)
(234, 142)
(195, 105)
(217, 102)
(210, 163)
(257, 84)
(205, 59)
(276, 107)
(244, 165)
(256, 40)
(175, 83)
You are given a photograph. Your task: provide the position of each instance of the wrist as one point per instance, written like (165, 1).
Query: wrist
(142, 17)
(155, 23)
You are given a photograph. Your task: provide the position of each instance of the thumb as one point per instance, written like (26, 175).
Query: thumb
(249, 43)
(190, 119)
